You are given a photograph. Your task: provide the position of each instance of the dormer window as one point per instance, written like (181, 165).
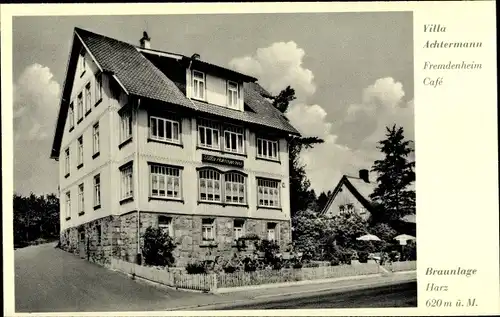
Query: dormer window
(232, 94)
(198, 85)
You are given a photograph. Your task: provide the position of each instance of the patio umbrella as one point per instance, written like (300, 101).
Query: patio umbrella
(403, 238)
(368, 237)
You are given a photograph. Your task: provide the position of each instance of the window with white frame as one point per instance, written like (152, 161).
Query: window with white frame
(198, 85)
(68, 204)
(80, 151)
(66, 162)
(238, 229)
(88, 98)
(71, 115)
(97, 190)
(79, 106)
(271, 231)
(268, 193)
(95, 143)
(81, 201)
(208, 134)
(234, 188)
(362, 211)
(165, 181)
(267, 149)
(232, 94)
(233, 139)
(127, 186)
(209, 185)
(163, 129)
(82, 61)
(208, 229)
(125, 125)
(165, 225)
(98, 87)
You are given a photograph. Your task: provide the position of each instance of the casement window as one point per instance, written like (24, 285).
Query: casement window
(209, 185)
(68, 204)
(163, 129)
(66, 162)
(127, 185)
(80, 151)
(233, 139)
(88, 98)
(208, 134)
(272, 231)
(235, 189)
(79, 106)
(165, 181)
(232, 94)
(95, 143)
(198, 85)
(268, 193)
(71, 116)
(165, 225)
(341, 208)
(97, 190)
(125, 125)
(362, 211)
(208, 229)
(267, 149)
(98, 87)
(81, 199)
(238, 229)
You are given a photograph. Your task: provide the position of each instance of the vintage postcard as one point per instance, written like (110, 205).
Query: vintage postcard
(250, 159)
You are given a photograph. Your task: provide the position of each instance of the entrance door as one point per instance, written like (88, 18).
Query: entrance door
(81, 244)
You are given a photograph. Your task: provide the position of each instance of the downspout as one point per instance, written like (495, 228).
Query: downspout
(138, 194)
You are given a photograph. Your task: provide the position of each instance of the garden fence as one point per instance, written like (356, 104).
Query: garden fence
(401, 266)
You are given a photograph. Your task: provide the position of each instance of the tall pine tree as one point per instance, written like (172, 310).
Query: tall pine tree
(393, 196)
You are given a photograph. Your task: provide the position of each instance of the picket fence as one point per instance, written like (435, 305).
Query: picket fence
(401, 266)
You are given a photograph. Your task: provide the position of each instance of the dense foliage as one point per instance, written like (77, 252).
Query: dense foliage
(158, 247)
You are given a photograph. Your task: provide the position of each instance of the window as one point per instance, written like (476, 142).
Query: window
(98, 87)
(232, 94)
(98, 233)
(267, 149)
(82, 61)
(268, 193)
(362, 211)
(271, 231)
(233, 140)
(238, 229)
(209, 186)
(234, 188)
(350, 207)
(165, 181)
(66, 162)
(208, 134)
(208, 229)
(164, 129)
(97, 190)
(80, 151)
(95, 143)
(198, 85)
(125, 125)
(81, 201)
(165, 224)
(68, 205)
(341, 208)
(71, 116)
(127, 187)
(88, 98)
(79, 106)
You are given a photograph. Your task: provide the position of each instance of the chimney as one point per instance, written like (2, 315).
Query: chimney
(363, 174)
(146, 40)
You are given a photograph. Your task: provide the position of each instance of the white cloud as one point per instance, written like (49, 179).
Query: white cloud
(278, 66)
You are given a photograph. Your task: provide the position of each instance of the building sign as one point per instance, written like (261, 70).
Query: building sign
(221, 160)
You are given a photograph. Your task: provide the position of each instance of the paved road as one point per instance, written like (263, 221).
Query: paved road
(51, 280)
(397, 295)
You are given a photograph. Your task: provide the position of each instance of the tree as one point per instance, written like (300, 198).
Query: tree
(322, 200)
(347, 227)
(308, 229)
(392, 197)
(158, 247)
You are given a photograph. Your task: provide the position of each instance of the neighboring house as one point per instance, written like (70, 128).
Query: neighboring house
(352, 194)
(150, 138)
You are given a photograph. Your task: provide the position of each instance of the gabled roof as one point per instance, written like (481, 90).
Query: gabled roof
(358, 187)
(141, 78)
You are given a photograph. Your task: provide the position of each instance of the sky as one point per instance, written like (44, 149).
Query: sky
(352, 73)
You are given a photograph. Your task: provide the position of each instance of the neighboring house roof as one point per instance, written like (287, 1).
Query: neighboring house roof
(140, 77)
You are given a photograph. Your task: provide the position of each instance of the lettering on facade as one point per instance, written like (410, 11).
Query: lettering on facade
(206, 158)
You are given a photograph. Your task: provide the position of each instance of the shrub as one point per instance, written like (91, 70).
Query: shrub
(229, 269)
(363, 256)
(334, 262)
(270, 249)
(394, 256)
(297, 265)
(196, 268)
(409, 252)
(249, 265)
(158, 247)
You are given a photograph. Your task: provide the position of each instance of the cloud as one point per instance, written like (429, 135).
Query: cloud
(278, 66)
(36, 102)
